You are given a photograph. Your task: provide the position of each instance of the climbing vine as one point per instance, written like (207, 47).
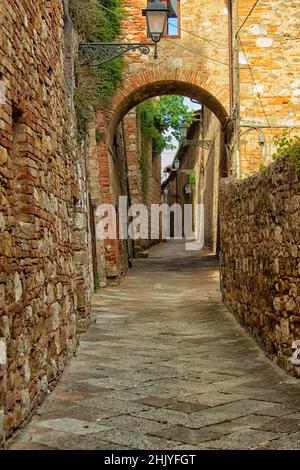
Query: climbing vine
(146, 113)
(96, 86)
(192, 179)
(288, 147)
(160, 121)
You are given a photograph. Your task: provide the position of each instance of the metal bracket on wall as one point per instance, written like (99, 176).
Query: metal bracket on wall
(186, 171)
(205, 144)
(93, 54)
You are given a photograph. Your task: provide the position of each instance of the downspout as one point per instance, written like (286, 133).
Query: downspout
(230, 34)
(235, 84)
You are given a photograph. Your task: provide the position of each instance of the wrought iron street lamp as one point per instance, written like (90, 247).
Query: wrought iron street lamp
(183, 129)
(176, 163)
(157, 13)
(188, 189)
(206, 144)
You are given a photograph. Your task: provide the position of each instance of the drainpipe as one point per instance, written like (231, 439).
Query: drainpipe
(236, 83)
(230, 37)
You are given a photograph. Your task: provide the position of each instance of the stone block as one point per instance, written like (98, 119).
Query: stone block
(112, 272)
(18, 287)
(3, 353)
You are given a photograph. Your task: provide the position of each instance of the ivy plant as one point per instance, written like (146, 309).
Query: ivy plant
(288, 147)
(160, 121)
(96, 85)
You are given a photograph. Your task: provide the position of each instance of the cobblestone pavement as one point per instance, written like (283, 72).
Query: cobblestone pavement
(165, 366)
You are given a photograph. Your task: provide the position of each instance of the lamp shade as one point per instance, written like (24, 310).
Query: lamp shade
(176, 163)
(188, 189)
(156, 13)
(183, 129)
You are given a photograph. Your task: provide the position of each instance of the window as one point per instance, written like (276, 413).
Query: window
(173, 26)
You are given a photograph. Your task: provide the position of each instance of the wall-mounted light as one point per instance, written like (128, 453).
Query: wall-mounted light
(93, 54)
(188, 189)
(176, 163)
(156, 13)
(261, 139)
(183, 129)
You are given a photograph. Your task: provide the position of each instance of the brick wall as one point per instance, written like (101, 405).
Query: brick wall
(259, 222)
(44, 277)
(189, 65)
(265, 71)
(116, 171)
(151, 193)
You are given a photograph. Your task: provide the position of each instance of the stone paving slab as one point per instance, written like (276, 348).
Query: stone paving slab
(190, 436)
(75, 426)
(242, 440)
(138, 440)
(165, 366)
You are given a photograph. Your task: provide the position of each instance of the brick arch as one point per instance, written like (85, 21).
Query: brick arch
(156, 82)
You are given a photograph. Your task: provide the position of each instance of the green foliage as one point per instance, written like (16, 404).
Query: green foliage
(99, 136)
(144, 165)
(160, 120)
(192, 179)
(95, 24)
(145, 116)
(96, 85)
(146, 113)
(157, 117)
(288, 147)
(170, 114)
(263, 167)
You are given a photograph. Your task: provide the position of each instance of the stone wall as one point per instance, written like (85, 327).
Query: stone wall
(44, 278)
(268, 77)
(202, 157)
(210, 167)
(260, 239)
(107, 181)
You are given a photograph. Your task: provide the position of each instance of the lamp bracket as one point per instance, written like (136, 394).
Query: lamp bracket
(205, 144)
(93, 54)
(187, 172)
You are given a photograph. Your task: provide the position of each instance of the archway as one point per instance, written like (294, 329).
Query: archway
(135, 90)
(157, 82)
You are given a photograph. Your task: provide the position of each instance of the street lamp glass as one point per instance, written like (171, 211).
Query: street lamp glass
(156, 14)
(183, 131)
(177, 164)
(188, 189)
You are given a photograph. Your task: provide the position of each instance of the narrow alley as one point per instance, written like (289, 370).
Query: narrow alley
(165, 366)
